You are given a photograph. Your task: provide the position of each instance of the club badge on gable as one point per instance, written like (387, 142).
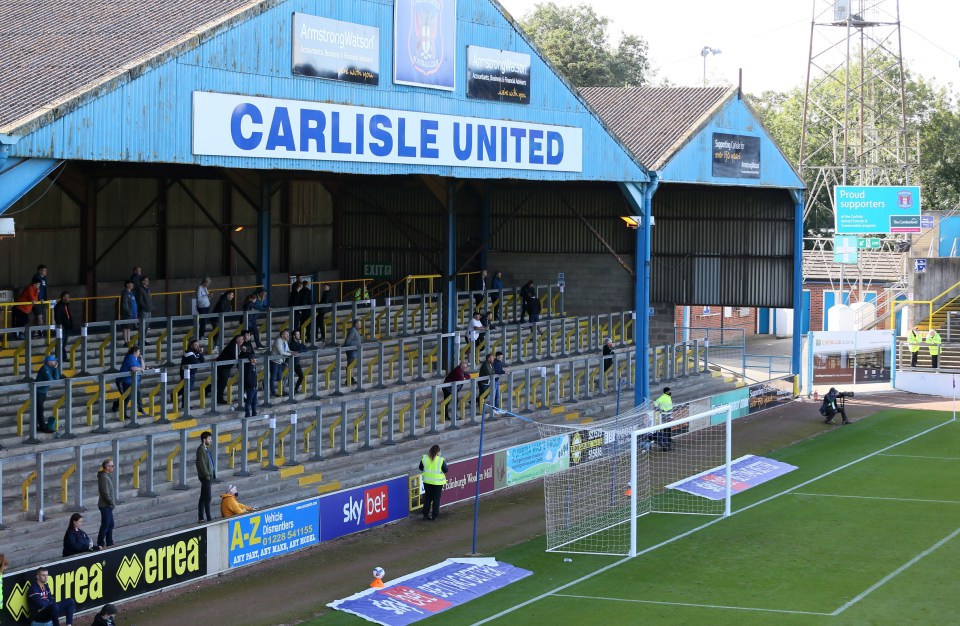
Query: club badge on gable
(361, 508)
(424, 42)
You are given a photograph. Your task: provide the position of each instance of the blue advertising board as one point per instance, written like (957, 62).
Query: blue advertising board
(353, 510)
(864, 210)
(425, 43)
(259, 536)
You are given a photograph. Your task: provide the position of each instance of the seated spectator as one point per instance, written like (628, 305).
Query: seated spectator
(105, 616)
(75, 541)
(230, 506)
(43, 607)
(132, 365)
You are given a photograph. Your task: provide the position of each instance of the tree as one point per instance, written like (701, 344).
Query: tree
(575, 40)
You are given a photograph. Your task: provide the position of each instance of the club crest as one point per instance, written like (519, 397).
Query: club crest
(425, 40)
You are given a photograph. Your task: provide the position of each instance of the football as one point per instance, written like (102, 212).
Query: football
(378, 572)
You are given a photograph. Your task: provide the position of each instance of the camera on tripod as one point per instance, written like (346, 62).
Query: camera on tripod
(845, 394)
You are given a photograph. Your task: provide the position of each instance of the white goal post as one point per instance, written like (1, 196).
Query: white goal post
(628, 466)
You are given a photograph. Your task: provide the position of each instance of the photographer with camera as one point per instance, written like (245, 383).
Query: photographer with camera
(831, 407)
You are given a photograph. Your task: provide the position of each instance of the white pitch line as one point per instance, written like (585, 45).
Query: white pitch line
(710, 523)
(917, 456)
(896, 572)
(836, 495)
(692, 604)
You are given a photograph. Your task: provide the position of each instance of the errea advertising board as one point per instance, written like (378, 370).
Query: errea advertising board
(865, 210)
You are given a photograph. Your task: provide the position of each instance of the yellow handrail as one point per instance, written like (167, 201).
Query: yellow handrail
(64, 481)
(25, 490)
(170, 458)
(136, 469)
(20, 412)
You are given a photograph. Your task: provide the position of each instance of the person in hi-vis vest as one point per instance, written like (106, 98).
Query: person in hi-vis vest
(434, 477)
(914, 339)
(665, 404)
(933, 345)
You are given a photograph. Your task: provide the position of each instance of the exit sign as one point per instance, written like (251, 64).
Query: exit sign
(868, 243)
(378, 270)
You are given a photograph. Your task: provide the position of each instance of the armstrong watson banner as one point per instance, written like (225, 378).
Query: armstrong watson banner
(335, 50)
(110, 576)
(499, 75)
(249, 126)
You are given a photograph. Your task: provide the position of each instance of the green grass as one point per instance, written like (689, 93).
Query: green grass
(811, 547)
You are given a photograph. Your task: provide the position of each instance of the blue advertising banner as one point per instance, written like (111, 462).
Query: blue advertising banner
(424, 43)
(865, 210)
(353, 510)
(537, 458)
(431, 591)
(746, 472)
(259, 536)
(335, 50)
(738, 399)
(499, 75)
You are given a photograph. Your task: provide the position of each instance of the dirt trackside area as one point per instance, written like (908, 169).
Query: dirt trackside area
(295, 588)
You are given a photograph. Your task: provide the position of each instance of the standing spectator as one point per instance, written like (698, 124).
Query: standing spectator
(136, 275)
(206, 474)
(250, 386)
(230, 506)
(43, 607)
(144, 301)
(64, 321)
(304, 299)
(251, 304)
(203, 303)
(352, 345)
(454, 377)
(296, 288)
(482, 287)
(326, 306)
(105, 616)
(40, 309)
(128, 309)
(476, 331)
(434, 477)
(193, 356)
(105, 503)
(608, 357)
(281, 353)
(486, 378)
(528, 293)
(133, 365)
(224, 305)
(496, 285)
(47, 372)
(75, 541)
(499, 371)
(933, 342)
(232, 352)
(297, 347)
(914, 339)
(30, 297)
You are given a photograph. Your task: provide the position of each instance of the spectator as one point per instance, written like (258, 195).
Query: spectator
(48, 371)
(206, 473)
(281, 352)
(247, 350)
(499, 371)
(295, 287)
(128, 309)
(40, 309)
(434, 470)
(933, 342)
(482, 291)
(304, 299)
(297, 347)
(105, 503)
(454, 377)
(250, 386)
(230, 353)
(133, 365)
(135, 277)
(533, 308)
(496, 285)
(105, 616)
(527, 294)
(250, 304)
(487, 373)
(230, 506)
(352, 345)
(193, 356)
(224, 305)
(30, 297)
(476, 331)
(144, 300)
(326, 305)
(64, 321)
(75, 541)
(43, 607)
(608, 357)
(203, 303)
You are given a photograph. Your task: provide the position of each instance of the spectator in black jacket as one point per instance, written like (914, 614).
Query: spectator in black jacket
(128, 309)
(193, 356)
(40, 310)
(75, 541)
(63, 319)
(304, 299)
(326, 298)
(232, 352)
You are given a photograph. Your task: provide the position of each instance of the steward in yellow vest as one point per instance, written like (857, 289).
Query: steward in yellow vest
(434, 470)
(933, 341)
(914, 339)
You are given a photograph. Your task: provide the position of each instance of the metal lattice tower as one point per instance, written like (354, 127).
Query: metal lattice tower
(854, 111)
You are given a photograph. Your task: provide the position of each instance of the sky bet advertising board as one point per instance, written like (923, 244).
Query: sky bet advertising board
(353, 510)
(110, 576)
(250, 126)
(259, 536)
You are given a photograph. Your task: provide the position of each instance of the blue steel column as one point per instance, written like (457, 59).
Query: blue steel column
(263, 237)
(485, 229)
(640, 197)
(450, 275)
(796, 361)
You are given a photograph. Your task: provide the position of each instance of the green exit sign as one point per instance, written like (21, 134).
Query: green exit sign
(378, 270)
(864, 243)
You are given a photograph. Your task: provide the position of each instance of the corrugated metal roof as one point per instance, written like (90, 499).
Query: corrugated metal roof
(55, 52)
(653, 122)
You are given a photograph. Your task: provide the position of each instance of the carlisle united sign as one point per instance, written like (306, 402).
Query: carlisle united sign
(247, 126)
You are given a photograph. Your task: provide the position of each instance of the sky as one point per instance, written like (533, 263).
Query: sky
(768, 39)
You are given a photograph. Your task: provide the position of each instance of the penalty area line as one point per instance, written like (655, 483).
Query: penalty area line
(603, 569)
(692, 604)
(882, 498)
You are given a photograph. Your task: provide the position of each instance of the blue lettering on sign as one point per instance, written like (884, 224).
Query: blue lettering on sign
(536, 137)
(402, 148)
(281, 132)
(462, 152)
(312, 124)
(487, 142)
(379, 125)
(428, 139)
(337, 146)
(236, 120)
(518, 134)
(554, 140)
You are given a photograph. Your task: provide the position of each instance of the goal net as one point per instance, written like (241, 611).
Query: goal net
(631, 465)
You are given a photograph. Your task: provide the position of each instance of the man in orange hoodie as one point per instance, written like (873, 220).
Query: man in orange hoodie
(230, 506)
